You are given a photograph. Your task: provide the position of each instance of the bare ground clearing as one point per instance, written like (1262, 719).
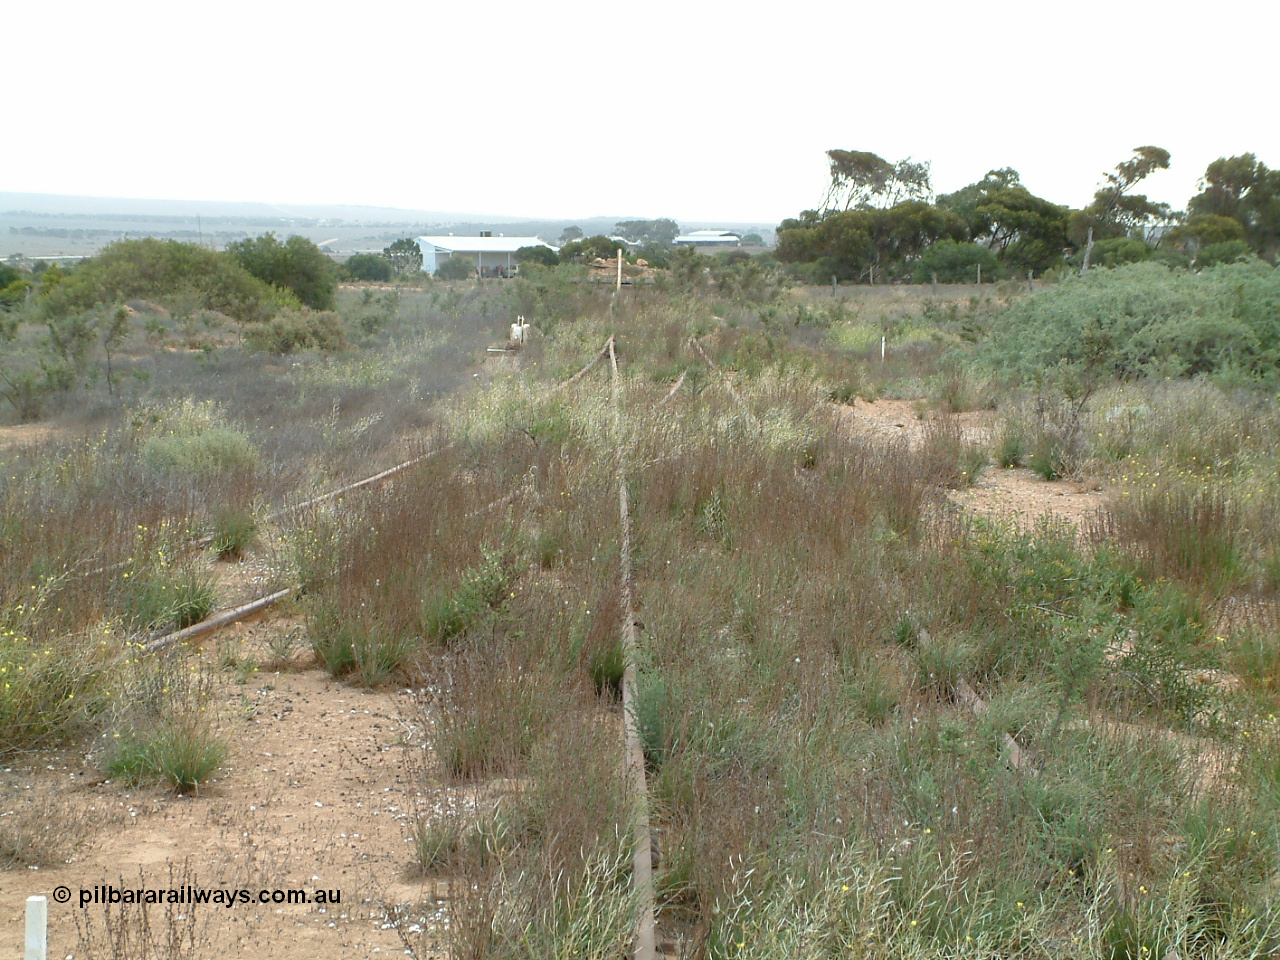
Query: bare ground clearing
(1014, 495)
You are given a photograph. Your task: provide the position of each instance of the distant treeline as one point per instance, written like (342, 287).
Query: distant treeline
(880, 221)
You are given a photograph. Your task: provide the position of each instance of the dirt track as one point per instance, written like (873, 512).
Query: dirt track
(315, 795)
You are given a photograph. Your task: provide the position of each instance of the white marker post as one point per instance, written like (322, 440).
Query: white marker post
(883, 340)
(37, 928)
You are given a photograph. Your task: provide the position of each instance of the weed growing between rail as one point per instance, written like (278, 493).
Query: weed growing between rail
(811, 606)
(813, 609)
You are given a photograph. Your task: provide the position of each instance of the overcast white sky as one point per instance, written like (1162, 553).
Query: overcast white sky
(697, 111)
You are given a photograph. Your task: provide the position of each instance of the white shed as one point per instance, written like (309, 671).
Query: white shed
(709, 238)
(492, 256)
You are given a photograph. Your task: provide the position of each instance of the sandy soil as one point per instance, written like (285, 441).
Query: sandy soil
(1015, 495)
(316, 795)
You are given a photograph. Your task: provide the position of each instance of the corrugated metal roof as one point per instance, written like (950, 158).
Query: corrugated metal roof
(708, 236)
(483, 244)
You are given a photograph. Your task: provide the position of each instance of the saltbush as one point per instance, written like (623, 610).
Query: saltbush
(299, 330)
(1145, 320)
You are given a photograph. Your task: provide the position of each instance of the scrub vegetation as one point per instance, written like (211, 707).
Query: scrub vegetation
(874, 724)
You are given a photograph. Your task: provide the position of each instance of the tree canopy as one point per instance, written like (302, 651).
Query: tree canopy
(862, 179)
(1244, 189)
(1023, 231)
(404, 255)
(370, 267)
(662, 231)
(954, 262)
(878, 219)
(297, 265)
(868, 241)
(161, 270)
(537, 254)
(1118, 212)
(455, 268)
(589, 249)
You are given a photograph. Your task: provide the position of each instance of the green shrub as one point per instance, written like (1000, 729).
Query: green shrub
(170, 597)
(455, 268)
(1116, 251)
(234, 530)
(369, 267)
(436, 845)
(447, 612)
(956, 262)
(1228, 251)
(219, 450)
(182, 753)
(1143, 320)
(292, 330)
(162, 270)
(297, 265)
(190, 439)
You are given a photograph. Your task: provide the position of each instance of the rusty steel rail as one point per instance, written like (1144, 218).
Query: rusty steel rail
(725, 380)
(674, 389)
(225, 618)
(644, 947)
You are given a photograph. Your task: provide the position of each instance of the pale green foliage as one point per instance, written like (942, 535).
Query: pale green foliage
(1144, 319)
(192, 439)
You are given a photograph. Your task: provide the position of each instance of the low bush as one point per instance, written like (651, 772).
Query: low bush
(436, 845)
(1144, 320)
(448, 611)
(455, 268)
(292, 330)
(193, 440)
(370, 267)
(234, 530)
(170, 598)
(182, 753)
(162, 270)
(218, 450)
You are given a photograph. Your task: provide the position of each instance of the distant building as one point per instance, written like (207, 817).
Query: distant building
(709, 238)
(492, 256)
